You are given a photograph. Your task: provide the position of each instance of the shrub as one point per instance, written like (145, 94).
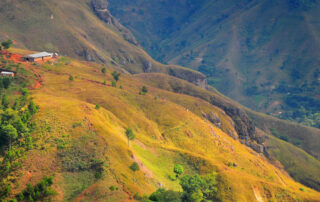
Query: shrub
(134, 167)
(178, 169)
(116, 76)
(111, 188)
(114, 84)
(97, 106)
(76, 124)
(103, 70)
(7, 44)
(144, 89)
(172, 177)
(165, 195)
(71, 78)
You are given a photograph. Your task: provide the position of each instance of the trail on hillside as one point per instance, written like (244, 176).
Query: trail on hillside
(257, 194)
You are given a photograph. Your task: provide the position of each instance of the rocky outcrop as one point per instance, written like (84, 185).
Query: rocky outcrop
(243, 125)
(147, 66)
(85, 53)
(213, 118)
(194, 77)
(100, 7)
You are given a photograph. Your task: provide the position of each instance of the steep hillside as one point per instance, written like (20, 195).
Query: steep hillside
(73, 28)
(79, 133)
(81, 126)
(264, 54)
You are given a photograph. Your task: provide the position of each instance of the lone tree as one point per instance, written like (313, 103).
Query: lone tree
(70, 78)
(7, 44)
(178, 170)
(144, 89)
(116, 75)
(130, 135)
(134, 167)
(104, 70)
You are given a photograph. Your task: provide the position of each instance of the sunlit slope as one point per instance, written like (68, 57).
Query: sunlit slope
(169, 129)
(293, 158)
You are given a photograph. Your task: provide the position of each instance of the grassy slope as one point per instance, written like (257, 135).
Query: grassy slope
(307, 136)
(161, 126)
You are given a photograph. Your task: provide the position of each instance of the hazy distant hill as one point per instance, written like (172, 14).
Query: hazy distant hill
(262, 53)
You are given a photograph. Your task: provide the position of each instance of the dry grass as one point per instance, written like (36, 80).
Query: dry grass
(169, 130)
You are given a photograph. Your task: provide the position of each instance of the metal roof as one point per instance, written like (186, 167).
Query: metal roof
(7, 72)
(40, 55)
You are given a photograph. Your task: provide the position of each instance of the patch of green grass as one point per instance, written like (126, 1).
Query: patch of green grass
(75, 183)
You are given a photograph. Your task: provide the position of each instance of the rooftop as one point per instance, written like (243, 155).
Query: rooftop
(39, 55)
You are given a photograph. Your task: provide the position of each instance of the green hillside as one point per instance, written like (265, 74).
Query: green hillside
(264, 54)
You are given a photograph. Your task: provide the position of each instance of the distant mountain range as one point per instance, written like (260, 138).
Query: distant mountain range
(263, 53)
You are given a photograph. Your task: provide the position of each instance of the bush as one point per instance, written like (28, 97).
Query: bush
(111, 188)
(172, 177)
(71, 78)
(114, 84)
(134, 167)
(162, 195)
(103, 70)
(7, 44)
(144, 89)
(76, 124)
(116, 76)
(178, 169)
(97, 106)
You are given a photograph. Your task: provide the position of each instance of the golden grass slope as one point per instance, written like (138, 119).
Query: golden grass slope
(169, 129)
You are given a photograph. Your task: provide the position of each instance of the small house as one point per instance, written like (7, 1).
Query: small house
(37, 57)
(7, 73)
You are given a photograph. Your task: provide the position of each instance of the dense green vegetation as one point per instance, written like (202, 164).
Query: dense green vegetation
(195, 188)
(15, 128)
(38, 192)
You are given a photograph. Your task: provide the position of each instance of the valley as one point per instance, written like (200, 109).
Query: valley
(266, 51)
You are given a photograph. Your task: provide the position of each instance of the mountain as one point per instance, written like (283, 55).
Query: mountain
(264, 54)
(72, 28)
(74, 122)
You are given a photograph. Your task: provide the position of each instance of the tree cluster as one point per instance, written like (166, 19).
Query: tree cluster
(6, 44)
(15, 132)
(195, 188)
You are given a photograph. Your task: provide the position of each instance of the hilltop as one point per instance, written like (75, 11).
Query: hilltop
(171, 128)
(263, 54)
